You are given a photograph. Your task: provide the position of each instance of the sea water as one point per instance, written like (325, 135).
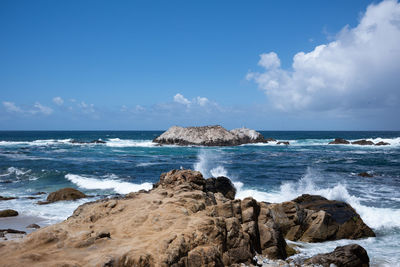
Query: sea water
(42, 161)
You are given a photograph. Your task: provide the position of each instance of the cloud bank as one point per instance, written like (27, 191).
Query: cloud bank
(359, 69)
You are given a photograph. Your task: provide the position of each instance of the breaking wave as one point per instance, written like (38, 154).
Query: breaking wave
(377, 218)
(108, 182)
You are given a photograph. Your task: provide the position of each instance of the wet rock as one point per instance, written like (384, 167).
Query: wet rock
(39, 193)
(222, 185)
(11, 231)
(339, 141)
(363, 143)
(311, 218)
(33, 225)
(283, 143)
(8, 213)
(365, 174)
(65, 194)
(209, 136)
(7, 198)
(381, 143)
(346, 256)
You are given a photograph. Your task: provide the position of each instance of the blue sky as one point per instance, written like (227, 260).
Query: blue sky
(145, 65)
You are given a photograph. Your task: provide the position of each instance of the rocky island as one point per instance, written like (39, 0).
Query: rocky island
(186, 220)
(210, 136)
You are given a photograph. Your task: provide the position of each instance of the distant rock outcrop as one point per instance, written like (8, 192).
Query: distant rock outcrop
(339, 141)
(363, 143)
(209, 136)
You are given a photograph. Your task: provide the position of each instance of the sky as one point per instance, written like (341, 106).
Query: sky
(148, 65)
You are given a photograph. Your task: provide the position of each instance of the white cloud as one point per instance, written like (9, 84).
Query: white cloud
(86, 108)
(36, 109)
(202, 101)
(359, 69)
(11, 107)
(39, 108)
(178, 98)
(58, 100)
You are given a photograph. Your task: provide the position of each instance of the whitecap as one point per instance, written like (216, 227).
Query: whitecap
(116, 142)
(107, 182)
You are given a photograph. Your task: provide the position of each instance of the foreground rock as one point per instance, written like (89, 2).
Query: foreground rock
(63, 194)
(209, 136)
(185, 220)
(311, 218)
(8, 213)
(346, 256)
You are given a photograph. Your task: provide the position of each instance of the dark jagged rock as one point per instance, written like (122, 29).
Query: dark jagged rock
(346, 256)
(363, 143)
(209, 136)
(8, 213)
(283, 143)
(65, 194)
(381, 143)
(221, 184)
(12, 231)
(7, 198)
(311, 218)
(365, 174)
(339, 141)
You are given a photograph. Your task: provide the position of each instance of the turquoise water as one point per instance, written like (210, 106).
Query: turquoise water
(45, 161)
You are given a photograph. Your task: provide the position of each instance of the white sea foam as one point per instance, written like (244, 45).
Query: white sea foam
(107, 182)
(116, 142)
(377, 218)
(15, 171)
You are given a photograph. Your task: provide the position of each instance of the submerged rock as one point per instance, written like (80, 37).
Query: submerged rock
(8, 213)
(365, 174)
(209, 136)
(339, 141)
(346, 256)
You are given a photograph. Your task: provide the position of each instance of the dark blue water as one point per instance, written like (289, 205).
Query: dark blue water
(129, 161)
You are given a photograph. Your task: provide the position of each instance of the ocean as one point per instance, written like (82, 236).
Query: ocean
(44, 161)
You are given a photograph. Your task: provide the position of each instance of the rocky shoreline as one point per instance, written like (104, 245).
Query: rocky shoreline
(186, 220)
